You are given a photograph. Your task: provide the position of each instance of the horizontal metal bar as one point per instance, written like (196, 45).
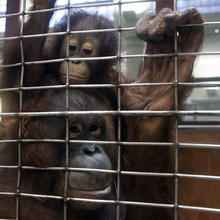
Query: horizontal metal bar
(91, 58)
(57, 61)
(123, 143)
(152, 174)
(196, 208)
(194, 84)
(87, 31)
(27, 12)
(199, 84)
(92, 200)
(214, 126)
(121, 202)
(207, 23)
(38, 88)
(116, 29)
(76, 169)
(58, 8)
(199, 146)
(7, 193)
(198, 53)
(47, 140)
(11, 15)
(40, 196)
(8, 167)
(2, 141)
(9, 90)
(10, 65)
(59, 87)
(160, 205)
(117, 113)
(110, 57)
(148, 204)
(19, 37)
(130, 173)
(197, 176)
(122, 172)
(6, 219)
(27, 36)
(169, 55)
(69, 59)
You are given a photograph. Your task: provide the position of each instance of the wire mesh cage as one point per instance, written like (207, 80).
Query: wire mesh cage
(120, 140)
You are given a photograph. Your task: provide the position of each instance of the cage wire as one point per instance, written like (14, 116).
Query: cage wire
(119, 112)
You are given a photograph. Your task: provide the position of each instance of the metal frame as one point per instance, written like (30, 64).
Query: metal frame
(118, 172)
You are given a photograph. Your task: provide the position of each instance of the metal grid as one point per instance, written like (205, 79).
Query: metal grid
(176, 144)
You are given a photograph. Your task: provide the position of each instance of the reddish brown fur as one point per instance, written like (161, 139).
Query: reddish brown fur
(158, 32)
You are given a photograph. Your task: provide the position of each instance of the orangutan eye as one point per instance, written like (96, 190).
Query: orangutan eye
(87, 52)
(75, 130)
(95, 130)
(72, 48)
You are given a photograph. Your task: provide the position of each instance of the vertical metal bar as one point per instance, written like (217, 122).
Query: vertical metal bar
(67, 108)
(118, 213)
(20, 110)
(176, 141)
(160, 4)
